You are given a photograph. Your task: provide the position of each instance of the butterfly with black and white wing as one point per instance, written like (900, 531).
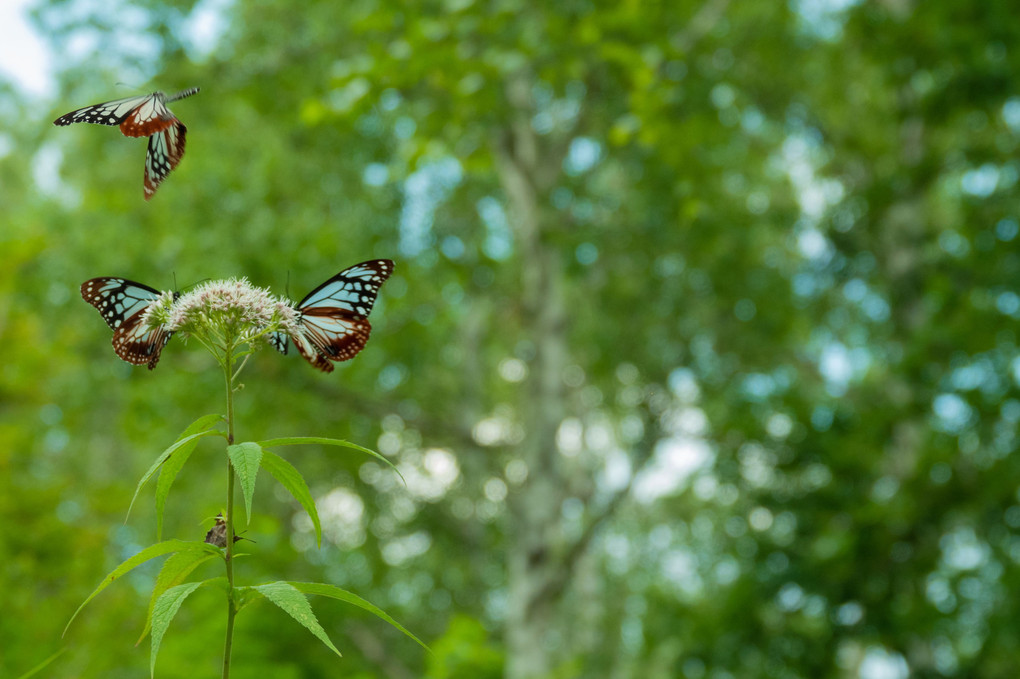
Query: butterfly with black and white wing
(141, 116)
(332, 320)
(122, 303)
(144, 116)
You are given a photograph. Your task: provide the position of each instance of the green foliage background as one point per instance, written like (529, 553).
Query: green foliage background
(787, 244)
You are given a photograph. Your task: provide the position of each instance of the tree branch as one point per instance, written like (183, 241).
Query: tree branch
(559, 576)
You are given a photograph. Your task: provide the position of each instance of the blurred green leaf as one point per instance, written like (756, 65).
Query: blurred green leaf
(175, 569)
(166, 607)
(150, 552)
(343, 595)
(291, 479)
(181, 444)
(303, 440)
(246, 459)
(173, 464)
(43, 665)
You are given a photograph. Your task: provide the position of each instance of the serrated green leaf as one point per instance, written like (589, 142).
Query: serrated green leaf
(150, 552)
(291, 479)
(162, 458)
(351, 598)
(246, 458)
(299, 440)
(167, 605)
(294, 603)
(167, 474)
(175, 570)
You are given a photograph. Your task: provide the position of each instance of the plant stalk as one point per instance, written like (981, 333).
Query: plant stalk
(229, 561)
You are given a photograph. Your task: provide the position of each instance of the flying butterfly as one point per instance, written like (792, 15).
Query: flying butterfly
(141, 116)
(144, 116)
(332, 320)
(122, 303)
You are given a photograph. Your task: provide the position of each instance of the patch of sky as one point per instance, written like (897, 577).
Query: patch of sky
(23, 54)
(499, 241)
(586, 253)
(962, 550)
(872, 304)
(389, 100)
(375, 174)
(584, 153)
(205, 26)
(1011, 114)
(953, 243)
(879, 663)
(1015, 370)
(981, 182)
(675, 460)
(823, 19)
(802, 151)
(978, 374)
(1006, 229)
(952, 413)
(758, 386)
(424, 191)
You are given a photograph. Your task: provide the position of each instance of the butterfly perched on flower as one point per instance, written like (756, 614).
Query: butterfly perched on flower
(122, 304)
(332, 320)
(143, 116)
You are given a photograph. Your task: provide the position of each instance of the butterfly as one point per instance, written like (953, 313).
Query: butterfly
(332, 320)
(217, 535)
(122, 303)
(144, 116)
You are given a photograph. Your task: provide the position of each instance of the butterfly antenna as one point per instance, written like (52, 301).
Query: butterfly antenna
(198, 282)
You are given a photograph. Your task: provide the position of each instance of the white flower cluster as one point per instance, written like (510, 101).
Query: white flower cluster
(227, 310)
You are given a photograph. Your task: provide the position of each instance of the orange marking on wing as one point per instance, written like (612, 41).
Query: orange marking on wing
(131, 127)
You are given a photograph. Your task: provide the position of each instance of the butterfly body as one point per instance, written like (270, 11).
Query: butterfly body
(122, 303)
(332, 320)
(143, 116)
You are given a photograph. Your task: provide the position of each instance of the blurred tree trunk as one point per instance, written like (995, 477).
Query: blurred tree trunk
(526, 173)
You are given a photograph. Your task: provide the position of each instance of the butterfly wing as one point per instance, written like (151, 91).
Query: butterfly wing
(334, 317)
(122, 303)
(354, 289)
(138, 345)
(137, 116)
(108, 113)
(332, 335)
(163, 154)
(280, 341)
(312, 354)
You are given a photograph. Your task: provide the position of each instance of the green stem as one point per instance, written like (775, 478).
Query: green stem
(231, 609)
